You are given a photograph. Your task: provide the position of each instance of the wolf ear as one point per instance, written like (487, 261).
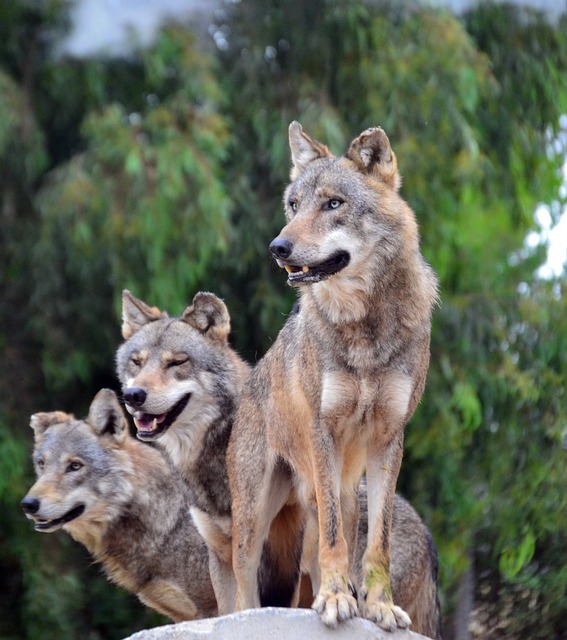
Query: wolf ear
(136, 314)
(209, 315)
(304, 149)
(40, 422)
(106, 415)
(372, 152)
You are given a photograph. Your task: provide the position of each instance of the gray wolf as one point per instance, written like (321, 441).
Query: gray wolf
(124, 501)
(181, 382)
(333, 394)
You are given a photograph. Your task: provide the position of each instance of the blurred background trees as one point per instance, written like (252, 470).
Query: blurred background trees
(163, 171)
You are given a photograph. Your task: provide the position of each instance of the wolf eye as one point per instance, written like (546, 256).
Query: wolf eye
(333, 203)
(177, 362)
(74, 465)
(40, 463)
(135, 361)
(293, 205)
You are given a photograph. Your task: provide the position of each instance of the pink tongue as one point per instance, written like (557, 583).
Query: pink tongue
(145, 421)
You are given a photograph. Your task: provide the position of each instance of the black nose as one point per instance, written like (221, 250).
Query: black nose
(135, 396)
(30, 505)
(281, 247)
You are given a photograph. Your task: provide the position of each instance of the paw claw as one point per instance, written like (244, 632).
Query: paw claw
(335, 607)
(387, 615)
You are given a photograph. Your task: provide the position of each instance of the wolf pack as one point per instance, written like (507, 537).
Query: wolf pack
(273, 484)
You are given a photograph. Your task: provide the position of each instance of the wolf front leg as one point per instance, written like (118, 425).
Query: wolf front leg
(335, 600)
(383, 466)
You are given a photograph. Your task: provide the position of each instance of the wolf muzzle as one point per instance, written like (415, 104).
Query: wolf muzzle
(31, 507)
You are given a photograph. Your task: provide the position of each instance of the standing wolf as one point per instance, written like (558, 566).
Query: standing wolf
(333, 394)
(123, 501)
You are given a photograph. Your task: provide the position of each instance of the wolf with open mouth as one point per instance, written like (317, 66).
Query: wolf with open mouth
(181, 382)
(332, 396)
(125, 502)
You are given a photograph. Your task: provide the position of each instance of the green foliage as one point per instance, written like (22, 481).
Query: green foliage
(513, 455)
(143, 207)
(163, 173)
(474, 171)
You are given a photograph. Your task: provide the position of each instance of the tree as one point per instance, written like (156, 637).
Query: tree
(147, 154)
(143, 206)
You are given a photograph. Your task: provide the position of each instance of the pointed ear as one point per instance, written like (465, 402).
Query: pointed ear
(372, 152)
(136, 314)
(40, 422)
(304, 149)
(106, 416)
(209, 315)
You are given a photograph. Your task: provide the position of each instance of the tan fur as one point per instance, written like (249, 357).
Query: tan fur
(135, 519)
(333, 394)
(169, 599)
(275, 572)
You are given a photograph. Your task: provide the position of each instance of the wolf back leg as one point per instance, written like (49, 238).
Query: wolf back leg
(169, 600)
(256, 502)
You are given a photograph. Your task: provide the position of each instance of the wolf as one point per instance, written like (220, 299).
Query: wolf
(181, 382)
(125, 503)
(333, 394)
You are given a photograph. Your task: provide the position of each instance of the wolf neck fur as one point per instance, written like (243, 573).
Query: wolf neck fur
(345, 299)
(193, 450)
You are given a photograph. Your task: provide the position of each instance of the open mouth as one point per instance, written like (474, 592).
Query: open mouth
(149, 425)
(318, 272)
(46, 525)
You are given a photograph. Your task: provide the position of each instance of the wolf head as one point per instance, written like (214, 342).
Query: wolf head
(341, 211)
(175, 371)
(77, 462)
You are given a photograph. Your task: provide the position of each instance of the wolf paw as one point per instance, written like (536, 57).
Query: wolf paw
(335, 607)
(387, 615)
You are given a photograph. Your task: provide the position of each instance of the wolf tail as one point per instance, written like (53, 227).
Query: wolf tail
(429, 613)
(278, 576)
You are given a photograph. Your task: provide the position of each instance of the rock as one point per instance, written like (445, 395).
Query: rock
(272, 624)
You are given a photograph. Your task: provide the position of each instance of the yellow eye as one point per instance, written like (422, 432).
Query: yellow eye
(74, 465)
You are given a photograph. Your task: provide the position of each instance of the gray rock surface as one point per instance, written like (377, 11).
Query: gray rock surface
(272, 624)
